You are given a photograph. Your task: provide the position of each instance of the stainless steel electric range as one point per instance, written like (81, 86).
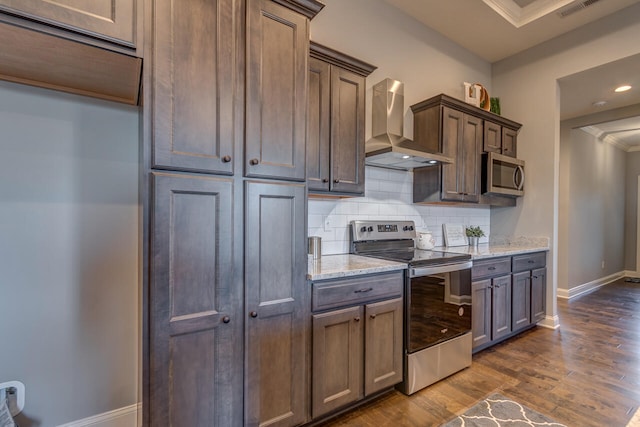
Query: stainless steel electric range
(437, 300)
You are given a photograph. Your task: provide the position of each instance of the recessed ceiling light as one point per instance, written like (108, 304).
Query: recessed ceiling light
(623, 88)
(599, 103)
(432, 162)
(406, 157)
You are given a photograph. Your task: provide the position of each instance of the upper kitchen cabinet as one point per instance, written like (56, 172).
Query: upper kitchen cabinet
(463, 132)
(335, 127)
(277, 45)
(84, 48)
(196, 75)
(111, 20)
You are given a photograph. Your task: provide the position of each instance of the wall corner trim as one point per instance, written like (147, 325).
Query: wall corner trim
(122, 417)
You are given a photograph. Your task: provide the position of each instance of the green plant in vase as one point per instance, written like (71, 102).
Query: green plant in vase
(474, 233)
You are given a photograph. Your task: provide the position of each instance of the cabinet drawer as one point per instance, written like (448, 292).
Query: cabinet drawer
(357, 290)
(529, 261)
(490, 267)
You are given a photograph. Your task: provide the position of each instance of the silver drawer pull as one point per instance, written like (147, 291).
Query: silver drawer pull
(531, 261)
(361, 291)
(491, 268)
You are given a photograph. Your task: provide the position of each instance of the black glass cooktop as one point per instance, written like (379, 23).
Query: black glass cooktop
(415, 257)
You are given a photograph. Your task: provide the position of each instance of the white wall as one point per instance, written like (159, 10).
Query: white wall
(594, 208)
(68, 253)
(402, 49)
(527, 86)
(388, 195)
(428, 64)
(631, 212)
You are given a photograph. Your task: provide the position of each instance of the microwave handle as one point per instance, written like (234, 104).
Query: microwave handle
(518, 173)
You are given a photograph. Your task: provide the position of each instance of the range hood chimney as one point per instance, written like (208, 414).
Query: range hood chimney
(388, 148)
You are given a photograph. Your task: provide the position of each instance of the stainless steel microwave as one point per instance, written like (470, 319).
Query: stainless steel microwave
(503, 175)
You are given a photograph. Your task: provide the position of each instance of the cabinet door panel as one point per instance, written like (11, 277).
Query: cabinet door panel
(501, 307)
(452, 146)
(347, 131)
(481, 312)
(112, 20)
(521, 301)
(492, 137)
(195, 74)
(277, 54)
(538, 294)
(337, 359)
(509, 142)
(195, 326)
(318, 132)
(383, 345)
(277, 303)
(470, 158)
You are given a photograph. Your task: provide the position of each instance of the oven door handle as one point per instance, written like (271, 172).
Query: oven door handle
(437, 269)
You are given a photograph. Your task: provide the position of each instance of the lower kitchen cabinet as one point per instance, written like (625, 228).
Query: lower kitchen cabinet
(521, 303)
(196, 329)
(357, 350)
(538, 294)
(508, 297)
(277, 304)
(491, 313)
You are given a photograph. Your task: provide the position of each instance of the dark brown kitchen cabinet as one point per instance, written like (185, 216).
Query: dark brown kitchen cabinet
(509, 141)
(538, 294)
(336, 118)
(383, 338)
(499, 139)
(461, 139)
(338, 358)
(277, 304)
(521, 301)
(508, 296)
(357, 339)
(492, 137)
(196, 325)
(195, 83)
(111, 20)
(227, 336)
(462, 132)
(276, 91)
(481, 312)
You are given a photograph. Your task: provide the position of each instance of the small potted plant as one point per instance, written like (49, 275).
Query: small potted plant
(474, 234)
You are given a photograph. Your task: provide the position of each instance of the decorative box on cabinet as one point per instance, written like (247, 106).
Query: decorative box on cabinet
(357, 339)
(335, 126)
(463, 132)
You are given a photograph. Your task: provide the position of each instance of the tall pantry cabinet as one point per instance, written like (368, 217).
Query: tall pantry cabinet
(226, 316)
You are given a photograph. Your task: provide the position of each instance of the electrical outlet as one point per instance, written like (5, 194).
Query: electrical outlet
(327, 223)
(603, 264)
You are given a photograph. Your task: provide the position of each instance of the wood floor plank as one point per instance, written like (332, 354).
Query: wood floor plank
(587, 373)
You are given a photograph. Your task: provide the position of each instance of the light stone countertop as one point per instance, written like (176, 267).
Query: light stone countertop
(344, 265)
(500, 247)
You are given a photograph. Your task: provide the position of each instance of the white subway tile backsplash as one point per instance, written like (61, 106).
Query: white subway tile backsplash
(388, 195)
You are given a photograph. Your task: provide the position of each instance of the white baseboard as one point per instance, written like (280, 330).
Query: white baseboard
(590, 286)
(550, 322)
(123, 417)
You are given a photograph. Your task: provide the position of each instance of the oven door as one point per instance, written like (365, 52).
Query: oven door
(438, 306)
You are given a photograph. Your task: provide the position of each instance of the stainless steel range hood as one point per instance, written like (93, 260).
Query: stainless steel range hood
(388, 148)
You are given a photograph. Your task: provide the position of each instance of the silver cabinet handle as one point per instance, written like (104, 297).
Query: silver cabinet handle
(361, 291)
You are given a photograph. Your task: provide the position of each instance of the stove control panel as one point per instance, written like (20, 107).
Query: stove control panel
(382, 230)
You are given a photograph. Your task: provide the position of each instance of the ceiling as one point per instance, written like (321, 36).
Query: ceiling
(512, 26)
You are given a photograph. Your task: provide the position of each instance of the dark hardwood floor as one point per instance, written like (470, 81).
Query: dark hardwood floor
(587, 373)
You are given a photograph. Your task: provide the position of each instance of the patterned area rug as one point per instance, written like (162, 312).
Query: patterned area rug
(497, 410)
